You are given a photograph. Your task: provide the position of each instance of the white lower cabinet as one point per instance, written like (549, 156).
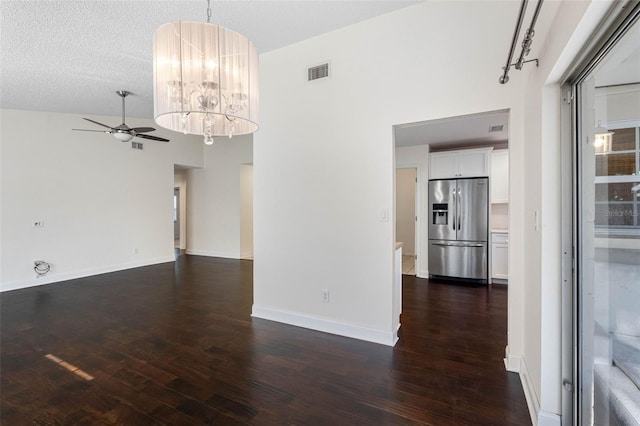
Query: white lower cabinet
(499, 255)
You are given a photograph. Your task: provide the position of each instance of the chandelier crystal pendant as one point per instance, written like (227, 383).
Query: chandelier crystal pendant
(205, 80)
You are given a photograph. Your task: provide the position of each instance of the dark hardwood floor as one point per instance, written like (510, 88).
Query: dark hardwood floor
(175, 344)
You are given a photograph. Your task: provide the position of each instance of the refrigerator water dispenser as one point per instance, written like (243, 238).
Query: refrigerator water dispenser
(440, 214)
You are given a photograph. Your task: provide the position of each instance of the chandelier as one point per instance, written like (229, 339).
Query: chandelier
(603, 140)
(205, 80)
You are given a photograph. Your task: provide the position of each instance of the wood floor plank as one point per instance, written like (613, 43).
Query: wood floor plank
(176, 344)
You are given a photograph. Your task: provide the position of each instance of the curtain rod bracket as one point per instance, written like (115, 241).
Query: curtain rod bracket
(525, 62)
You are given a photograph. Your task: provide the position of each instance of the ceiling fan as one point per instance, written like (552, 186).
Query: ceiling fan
(123, 132)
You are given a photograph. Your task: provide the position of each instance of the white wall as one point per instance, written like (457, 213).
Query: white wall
(559, 42)
(500, 216)
(213, 199)
(406, 210)
(99, 199)
(325, 150)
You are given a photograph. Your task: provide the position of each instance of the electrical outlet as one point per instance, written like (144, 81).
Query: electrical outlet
(38, 223)
(136, 250)
(324, 295)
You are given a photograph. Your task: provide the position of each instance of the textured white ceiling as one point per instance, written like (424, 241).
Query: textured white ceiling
(71, 56)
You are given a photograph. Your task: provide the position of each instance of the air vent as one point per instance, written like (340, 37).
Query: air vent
(317, 72)
(494, 129)
(137, 145)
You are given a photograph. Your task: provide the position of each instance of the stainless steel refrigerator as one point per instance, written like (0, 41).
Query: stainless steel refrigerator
(458, 228)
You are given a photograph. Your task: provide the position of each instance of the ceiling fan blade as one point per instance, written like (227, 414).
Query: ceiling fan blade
(95, 122)
(143, 129)
(87, 130)
(153, 138)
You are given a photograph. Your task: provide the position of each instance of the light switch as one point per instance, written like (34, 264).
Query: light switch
(384, 215)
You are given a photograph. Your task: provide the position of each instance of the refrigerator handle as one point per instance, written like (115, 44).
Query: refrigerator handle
(458, 209)
(453, 211)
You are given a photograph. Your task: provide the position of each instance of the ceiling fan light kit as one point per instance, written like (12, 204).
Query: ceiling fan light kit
(121, 136)
(123, 132)
(205, 80)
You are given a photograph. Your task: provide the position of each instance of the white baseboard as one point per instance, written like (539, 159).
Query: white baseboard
(422, 274)
(518, 364)
(210, 253)
(533, 402)
(549, 419)
(54, 277)
(511, 361)
(326, 325)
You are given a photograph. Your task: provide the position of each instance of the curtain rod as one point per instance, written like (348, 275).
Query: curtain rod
(526, 43)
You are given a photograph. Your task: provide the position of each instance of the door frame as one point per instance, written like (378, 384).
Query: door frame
(416, 210)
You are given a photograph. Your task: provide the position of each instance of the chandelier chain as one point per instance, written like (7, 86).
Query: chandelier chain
(208, 11)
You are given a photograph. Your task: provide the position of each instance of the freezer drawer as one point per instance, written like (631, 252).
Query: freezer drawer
(458, 259)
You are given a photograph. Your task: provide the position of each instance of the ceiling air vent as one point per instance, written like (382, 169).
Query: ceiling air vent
(137, 145)
(317, 72)
(494, 129)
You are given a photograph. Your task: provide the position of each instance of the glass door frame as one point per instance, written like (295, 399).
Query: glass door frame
(613, 28)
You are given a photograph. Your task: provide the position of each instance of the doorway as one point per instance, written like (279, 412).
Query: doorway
(414, 145)
(180, 174)
(406, 180)
(246, 211)
(176, 217)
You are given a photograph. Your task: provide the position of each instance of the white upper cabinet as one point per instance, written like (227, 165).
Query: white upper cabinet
(463, 163)
(500, 176)
(443, 165)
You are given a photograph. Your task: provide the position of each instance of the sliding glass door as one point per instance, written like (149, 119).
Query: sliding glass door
(607, 185)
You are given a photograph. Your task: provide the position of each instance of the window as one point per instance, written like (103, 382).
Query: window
(617, 184)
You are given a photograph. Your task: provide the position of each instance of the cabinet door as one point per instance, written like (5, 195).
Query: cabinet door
(499, 261)
(500, 176)
(473, 163)
(443, 165)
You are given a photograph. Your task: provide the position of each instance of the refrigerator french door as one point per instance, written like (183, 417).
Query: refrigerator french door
(458, 228)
